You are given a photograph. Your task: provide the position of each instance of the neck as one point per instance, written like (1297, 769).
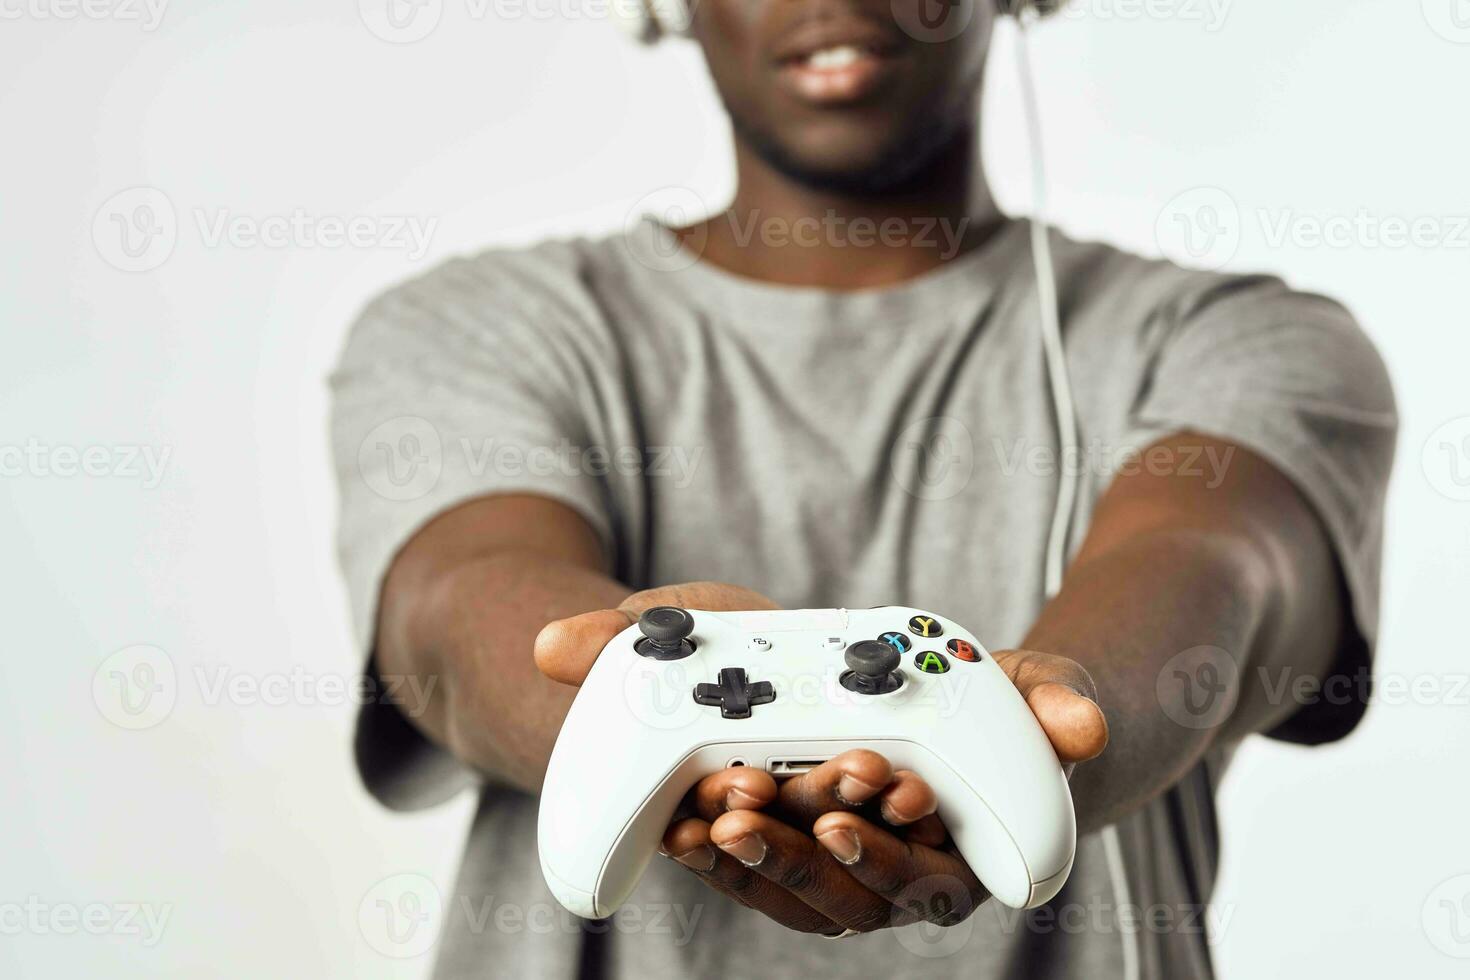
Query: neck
(780, 230)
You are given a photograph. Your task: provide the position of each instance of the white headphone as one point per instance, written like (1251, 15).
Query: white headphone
(649, 20)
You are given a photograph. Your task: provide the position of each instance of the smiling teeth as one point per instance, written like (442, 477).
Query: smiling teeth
(831, 59)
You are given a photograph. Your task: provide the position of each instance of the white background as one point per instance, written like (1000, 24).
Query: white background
(241, 819)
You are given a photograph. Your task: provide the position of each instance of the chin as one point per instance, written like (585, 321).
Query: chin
(852, 156)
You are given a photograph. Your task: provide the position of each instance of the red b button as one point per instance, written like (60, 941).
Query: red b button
(963, 650)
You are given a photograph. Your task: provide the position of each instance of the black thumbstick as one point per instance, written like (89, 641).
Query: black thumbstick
(665, 632)
(872, 668)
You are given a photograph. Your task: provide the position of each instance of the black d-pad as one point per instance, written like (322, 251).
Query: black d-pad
(734, 694)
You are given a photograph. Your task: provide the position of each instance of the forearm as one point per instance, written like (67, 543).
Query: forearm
(1124, 615)
(470, 628)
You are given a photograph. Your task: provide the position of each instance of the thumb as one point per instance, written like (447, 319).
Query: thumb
(1061, 695)
(566, 648)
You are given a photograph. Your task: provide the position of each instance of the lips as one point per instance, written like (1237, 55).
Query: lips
(834, 63)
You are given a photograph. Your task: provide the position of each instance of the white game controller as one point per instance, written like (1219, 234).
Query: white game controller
(683, 694)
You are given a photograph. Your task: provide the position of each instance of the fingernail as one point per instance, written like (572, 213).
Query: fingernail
(843, 844)
(738, 799)
(891, 815)
(701, 858)
(749, 850)
(852, 790)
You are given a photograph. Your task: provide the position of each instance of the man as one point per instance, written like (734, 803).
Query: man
(790, 404)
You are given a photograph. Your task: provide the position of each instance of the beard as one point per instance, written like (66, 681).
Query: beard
(898, 167)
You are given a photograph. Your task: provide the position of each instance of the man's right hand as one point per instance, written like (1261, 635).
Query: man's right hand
(567, 648)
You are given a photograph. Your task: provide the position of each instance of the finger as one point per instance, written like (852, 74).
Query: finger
(794, 862)
(688, 843)
(932, 884)
(930, 831)
(907, 799)
(565, 649)
(1063, 698)
(845, 782)
(695, 595)
(735, 788)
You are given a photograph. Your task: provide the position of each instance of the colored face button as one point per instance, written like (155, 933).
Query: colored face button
(963, 649)
(930, 662)
(898, 641)
(925, 626)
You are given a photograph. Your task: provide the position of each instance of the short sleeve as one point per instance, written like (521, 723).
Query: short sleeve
(442, 394)
(1293, 378)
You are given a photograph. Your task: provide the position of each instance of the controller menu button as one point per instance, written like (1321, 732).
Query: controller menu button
(759, 644)
(963, 650)
(930, 662)
(926, 626)
(898, 641)
(734, 695)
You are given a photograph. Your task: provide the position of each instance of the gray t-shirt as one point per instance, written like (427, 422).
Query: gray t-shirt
(893, 446)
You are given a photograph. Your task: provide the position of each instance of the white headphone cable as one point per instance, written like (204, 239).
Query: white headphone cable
(1066, 420)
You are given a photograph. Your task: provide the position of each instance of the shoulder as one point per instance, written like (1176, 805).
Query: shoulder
(504, 300)
(1158, 310)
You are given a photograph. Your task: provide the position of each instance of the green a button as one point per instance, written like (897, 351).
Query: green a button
(930, 662)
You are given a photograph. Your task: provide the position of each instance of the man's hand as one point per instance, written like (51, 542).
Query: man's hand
(843, 846)
(848, 846)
